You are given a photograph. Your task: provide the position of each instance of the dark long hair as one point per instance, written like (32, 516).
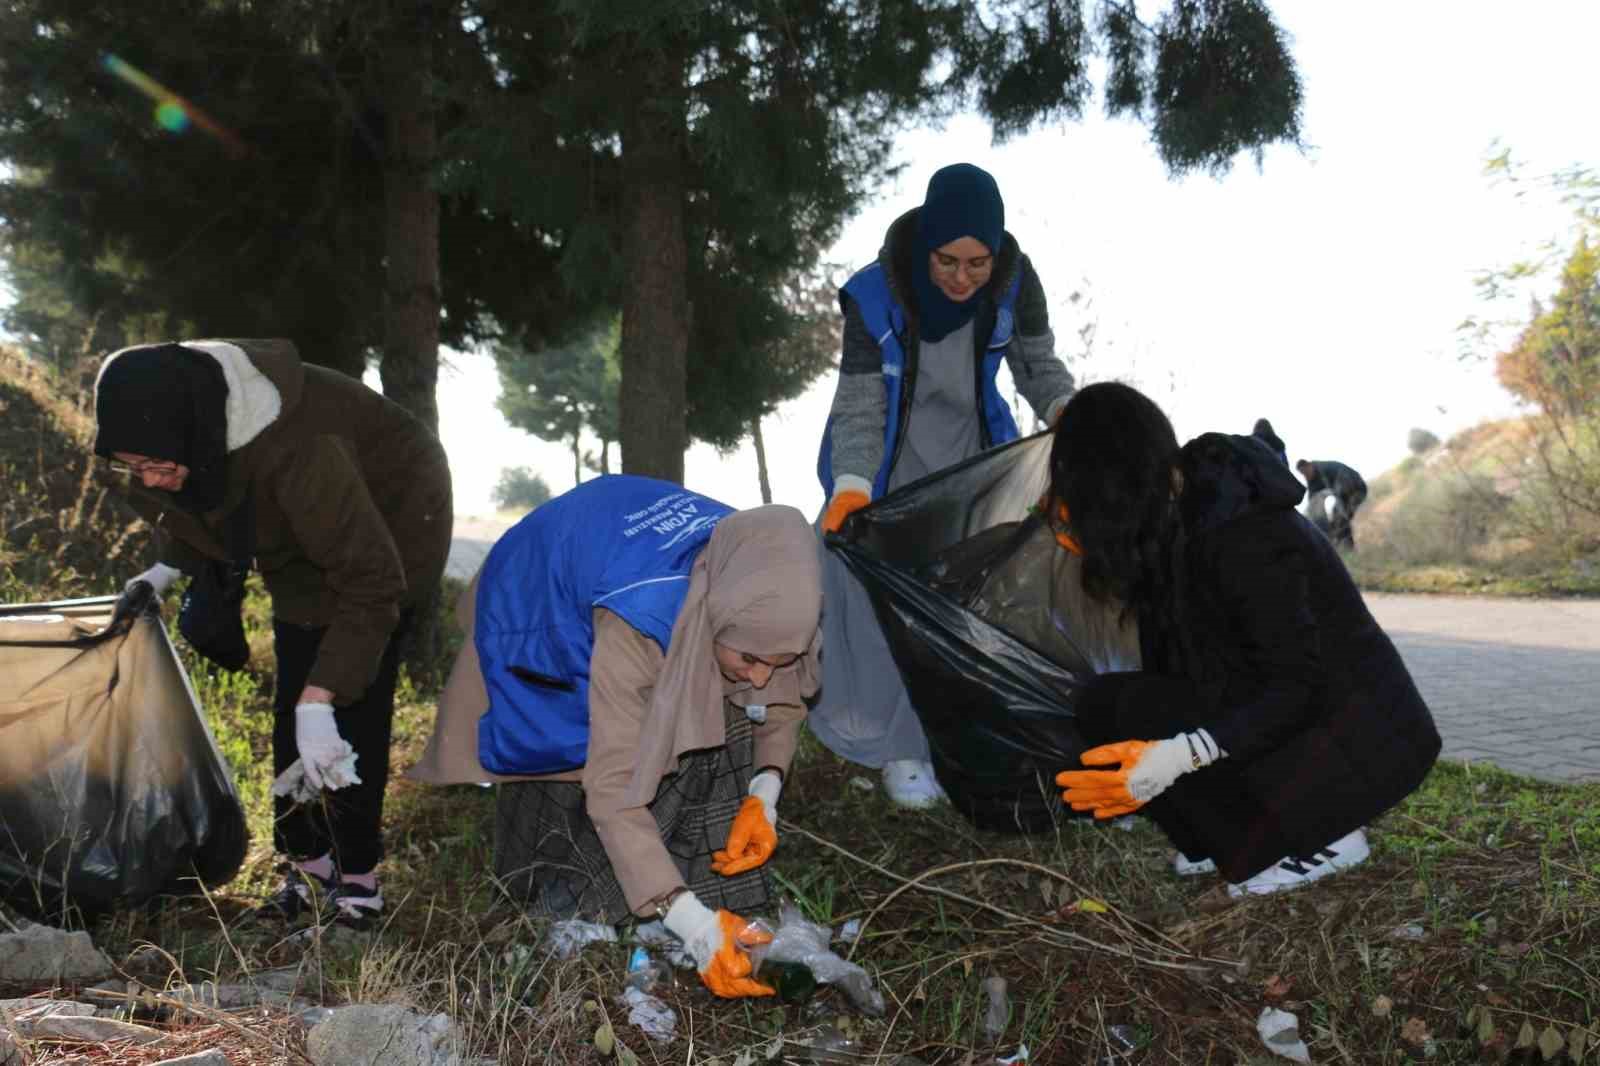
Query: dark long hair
(1114, 464)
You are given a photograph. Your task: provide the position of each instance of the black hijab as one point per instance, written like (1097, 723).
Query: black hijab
(168, 402)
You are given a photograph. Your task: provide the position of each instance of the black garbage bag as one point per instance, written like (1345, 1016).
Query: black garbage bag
(985, 615)
(211, 614)
(112, 790)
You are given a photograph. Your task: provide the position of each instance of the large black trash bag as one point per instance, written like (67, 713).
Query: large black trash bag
(986, 618)
(112, 790)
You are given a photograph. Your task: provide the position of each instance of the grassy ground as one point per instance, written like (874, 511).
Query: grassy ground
(1474, 928)
(1378, 571)
(1476, 923)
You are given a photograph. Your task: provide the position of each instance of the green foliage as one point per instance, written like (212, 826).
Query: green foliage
(254, 204)
(1555, 362)
(1420, 441)
(519, 488)
(1224, 83)
(558, 393)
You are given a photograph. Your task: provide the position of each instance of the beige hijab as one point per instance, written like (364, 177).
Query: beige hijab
(756, 588)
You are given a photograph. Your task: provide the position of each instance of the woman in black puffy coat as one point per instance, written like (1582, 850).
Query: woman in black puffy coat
(1272, 718)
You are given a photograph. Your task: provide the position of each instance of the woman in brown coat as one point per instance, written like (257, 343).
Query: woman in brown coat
(239, 451)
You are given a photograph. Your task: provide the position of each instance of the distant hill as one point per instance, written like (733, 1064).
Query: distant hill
(64, 530)
(1463, 516)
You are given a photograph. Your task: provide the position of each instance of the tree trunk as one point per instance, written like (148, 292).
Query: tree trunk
(605, 457)
(761, 459)
(577, 459)
(655, 294)
(410, 367)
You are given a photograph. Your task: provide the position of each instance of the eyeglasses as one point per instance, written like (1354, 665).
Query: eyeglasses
(158, 467)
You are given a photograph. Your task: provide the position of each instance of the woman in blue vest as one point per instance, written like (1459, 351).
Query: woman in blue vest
(925, 329)
(637, 663)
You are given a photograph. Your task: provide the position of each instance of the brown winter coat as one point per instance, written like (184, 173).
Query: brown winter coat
(353, 512)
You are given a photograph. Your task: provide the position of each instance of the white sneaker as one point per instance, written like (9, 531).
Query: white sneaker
(910, 783)
(1349, 850)
(1184, 866)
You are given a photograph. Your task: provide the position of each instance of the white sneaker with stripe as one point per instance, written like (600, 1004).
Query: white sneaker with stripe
(1292, 872)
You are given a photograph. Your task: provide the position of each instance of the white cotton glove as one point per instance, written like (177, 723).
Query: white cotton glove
(711, 939)
(1167, 760)
(696, 925)
(1144, 770)
(329, 760)
(293, 784)
(160, 576)
(767, 786)
(1052, 410)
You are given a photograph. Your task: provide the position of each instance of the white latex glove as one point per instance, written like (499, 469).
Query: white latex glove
(1167, 760)
(160, 576)
(329, 760)
(767, 786)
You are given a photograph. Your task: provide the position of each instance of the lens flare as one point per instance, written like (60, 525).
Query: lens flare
(171, 116)
(172, 113)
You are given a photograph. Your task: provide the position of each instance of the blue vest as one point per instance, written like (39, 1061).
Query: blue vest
(620, 542)
(886, 320)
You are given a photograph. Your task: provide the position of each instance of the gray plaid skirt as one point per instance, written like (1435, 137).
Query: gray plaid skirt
(549, 857)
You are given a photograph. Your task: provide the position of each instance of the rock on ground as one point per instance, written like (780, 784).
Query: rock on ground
(383, 1035)
(39, 954)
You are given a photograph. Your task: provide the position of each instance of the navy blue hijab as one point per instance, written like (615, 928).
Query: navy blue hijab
(962, 201)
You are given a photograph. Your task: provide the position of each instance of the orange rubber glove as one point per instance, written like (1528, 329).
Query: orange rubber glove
(1147, 769)
(713, 940)
(1055, 512)
(842, 506)
(754, 836)
(1105, 792)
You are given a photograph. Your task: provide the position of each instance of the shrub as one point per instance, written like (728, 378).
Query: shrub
(1420, 441)
(520, 489)
(1444, 519)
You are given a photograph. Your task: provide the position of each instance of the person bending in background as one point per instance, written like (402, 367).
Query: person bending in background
(1347, 489)
(636, 666)
(1272, 718)
(925, 328)
(240, 451)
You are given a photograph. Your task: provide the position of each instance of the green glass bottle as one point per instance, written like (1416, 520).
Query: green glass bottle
(792, 980)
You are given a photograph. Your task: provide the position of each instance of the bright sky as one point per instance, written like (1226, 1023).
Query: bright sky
(1322, 292)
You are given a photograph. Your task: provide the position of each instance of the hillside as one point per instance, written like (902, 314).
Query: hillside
(63, 527)
(1474, 514)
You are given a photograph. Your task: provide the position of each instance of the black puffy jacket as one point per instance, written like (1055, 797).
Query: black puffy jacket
(1324, 728)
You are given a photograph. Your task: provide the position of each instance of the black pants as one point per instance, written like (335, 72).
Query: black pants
(349, 821)
(1339, 529)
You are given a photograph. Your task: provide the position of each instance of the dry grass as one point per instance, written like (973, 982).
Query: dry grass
(1476, 925)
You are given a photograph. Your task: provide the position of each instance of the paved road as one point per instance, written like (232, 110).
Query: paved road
(1511, 682)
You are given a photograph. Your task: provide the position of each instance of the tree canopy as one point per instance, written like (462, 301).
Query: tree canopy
(680, 162)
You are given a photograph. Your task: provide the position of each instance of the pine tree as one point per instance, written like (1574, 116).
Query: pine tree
(686, 156)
